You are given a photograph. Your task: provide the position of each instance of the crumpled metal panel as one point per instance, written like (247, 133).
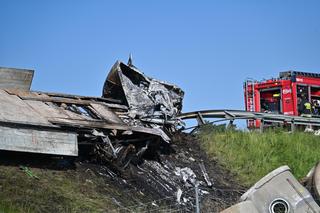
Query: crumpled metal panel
(146, 97)
(278, 191)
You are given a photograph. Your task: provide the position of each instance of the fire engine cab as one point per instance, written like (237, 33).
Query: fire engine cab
(283, 95)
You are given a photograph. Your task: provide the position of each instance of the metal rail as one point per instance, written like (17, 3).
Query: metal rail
(241, 114)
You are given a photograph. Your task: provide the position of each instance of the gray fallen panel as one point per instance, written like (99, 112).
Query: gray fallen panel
(15, 78)
(38, 141)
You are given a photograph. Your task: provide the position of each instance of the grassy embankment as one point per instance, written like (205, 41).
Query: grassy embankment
(55, 191)
(251, 155)
(50, 189)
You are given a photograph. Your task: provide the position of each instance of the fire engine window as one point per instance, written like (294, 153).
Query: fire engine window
(302, 96)
(315, 92)
(270, 100)
(315, 100)
(302, 91)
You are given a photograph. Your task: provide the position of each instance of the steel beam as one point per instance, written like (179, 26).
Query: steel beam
(246, 115)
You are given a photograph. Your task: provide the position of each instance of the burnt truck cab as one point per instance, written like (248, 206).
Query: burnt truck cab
(283, 95)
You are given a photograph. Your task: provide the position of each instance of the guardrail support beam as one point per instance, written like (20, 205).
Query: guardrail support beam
(261, 125)
(293, 126)
(200, 119)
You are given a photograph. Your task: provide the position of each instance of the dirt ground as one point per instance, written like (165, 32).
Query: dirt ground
(152, 185)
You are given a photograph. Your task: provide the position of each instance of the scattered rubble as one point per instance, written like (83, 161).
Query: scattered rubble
(205, 174)
(173, 177)
(187, 175)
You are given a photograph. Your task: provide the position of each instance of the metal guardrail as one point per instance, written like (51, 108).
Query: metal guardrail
(232, 115)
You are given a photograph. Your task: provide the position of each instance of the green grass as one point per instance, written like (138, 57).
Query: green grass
(75, 190)
(55, 191)
(251, 155)
(8, 208)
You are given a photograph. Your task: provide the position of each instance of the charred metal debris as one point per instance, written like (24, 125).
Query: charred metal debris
(135, 119)
(136, 114)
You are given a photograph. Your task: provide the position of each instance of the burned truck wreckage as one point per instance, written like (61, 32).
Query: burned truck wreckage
(135, 119)
(133, 109)
(147, 99)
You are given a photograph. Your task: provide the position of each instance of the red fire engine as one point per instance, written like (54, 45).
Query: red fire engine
(283, 95)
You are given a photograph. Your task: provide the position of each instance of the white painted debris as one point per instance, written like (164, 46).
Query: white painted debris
(179, 194)
(187, 175)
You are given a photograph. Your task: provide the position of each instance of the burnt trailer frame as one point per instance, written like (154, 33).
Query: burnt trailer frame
(56, 123)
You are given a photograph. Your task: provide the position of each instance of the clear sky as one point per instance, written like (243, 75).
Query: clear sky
(206, 47)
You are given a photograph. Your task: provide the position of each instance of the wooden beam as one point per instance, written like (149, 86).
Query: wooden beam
(100, 99)
(72, 101)
(105, 113)
(65, 98)
(86, 124)
(57, 100)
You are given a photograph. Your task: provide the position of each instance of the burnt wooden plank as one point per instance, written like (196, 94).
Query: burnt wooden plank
(62, 95)
(38, 141)
(69, 99)
(105, 113)
(56, 100)
(15, 78)
(16, 110)
(22, 93)
(86, 124)
(47, 111)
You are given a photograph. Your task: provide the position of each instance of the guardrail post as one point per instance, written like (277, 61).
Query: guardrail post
(292, 125)
(200, 119)
(261, 125)
(230, 125)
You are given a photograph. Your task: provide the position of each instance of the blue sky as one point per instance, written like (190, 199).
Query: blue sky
(206, 47)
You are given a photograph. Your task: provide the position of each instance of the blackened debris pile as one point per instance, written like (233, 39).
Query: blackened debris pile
(129, 131)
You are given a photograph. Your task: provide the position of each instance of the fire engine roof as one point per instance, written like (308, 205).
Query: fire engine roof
(291, 73)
